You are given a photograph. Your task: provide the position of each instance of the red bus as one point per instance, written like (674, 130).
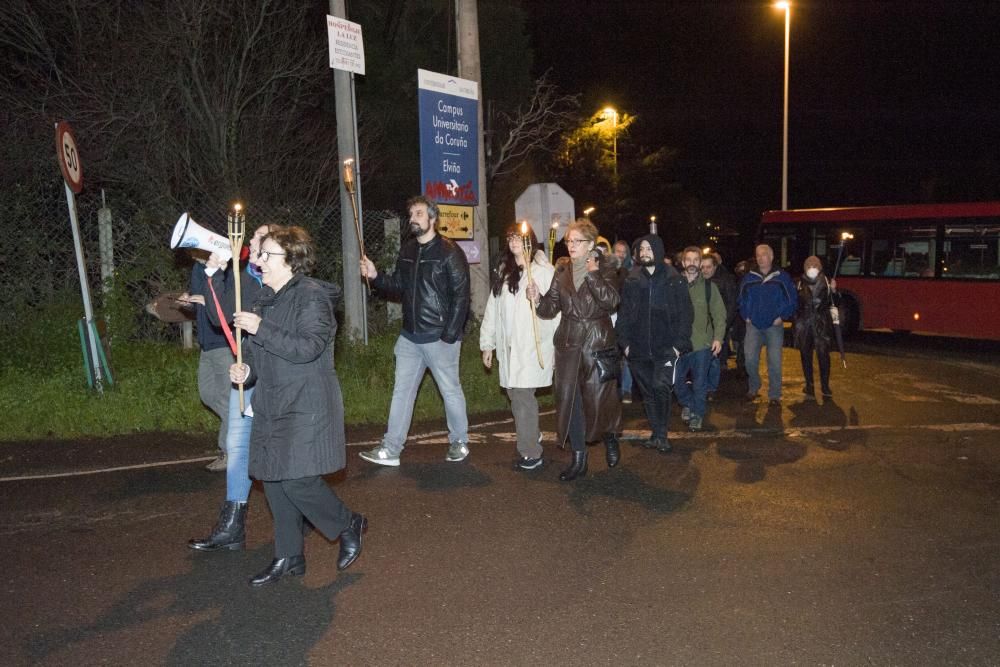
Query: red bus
(932, 268)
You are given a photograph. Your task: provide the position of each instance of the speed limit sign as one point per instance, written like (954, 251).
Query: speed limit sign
(69, 157)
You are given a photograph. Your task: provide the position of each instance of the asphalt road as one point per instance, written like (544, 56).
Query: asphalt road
(860, 531)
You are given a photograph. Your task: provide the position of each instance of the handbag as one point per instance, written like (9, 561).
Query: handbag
(607, 363)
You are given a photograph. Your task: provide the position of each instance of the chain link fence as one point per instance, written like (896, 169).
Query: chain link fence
(38, 267)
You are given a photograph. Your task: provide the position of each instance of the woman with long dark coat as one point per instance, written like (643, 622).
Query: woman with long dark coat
(814, 326)
(585, 290)
(298, 428)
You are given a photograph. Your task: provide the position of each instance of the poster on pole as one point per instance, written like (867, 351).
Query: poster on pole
(449, 138)
(347, 48)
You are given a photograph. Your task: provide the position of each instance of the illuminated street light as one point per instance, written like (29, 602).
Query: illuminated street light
(612, 113)
(652, 224)
(587, 211)
(787, 8)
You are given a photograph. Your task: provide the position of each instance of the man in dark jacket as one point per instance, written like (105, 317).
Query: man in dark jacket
(767, 298)
(432, 281)
(654, 329)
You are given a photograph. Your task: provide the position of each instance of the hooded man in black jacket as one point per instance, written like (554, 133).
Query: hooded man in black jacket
(654, 329)
(431, 279)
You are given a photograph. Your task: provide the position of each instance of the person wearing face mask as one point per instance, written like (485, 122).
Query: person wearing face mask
(585, 290)
(814, 326)
(229, 532)
(654, 329)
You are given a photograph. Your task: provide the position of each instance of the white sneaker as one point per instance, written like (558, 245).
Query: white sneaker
(457, 451)
(381, 456)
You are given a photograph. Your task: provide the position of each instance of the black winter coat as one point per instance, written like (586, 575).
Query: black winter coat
(432, 282)
(813, 321)
(298, 427)
(655, 315)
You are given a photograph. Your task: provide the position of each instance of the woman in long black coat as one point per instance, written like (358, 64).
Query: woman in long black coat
(814, 326)
(298, 429)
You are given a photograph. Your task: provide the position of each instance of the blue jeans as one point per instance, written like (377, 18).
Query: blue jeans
(774, 338)
(715, 371)
(693, 365)
(626, 380)
(238, 448)
(412, 359)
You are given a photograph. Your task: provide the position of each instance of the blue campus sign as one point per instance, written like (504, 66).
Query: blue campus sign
(449, 138)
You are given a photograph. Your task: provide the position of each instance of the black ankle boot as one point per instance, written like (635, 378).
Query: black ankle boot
(293, 566)
(612, 451)
(350, 541)
(578, 468)
(229, 532)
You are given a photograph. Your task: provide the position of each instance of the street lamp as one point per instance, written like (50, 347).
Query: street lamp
(587, 211)
(612, 113)
(787, 7)
(652, 224)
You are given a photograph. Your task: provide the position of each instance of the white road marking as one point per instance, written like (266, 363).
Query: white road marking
(431, 437)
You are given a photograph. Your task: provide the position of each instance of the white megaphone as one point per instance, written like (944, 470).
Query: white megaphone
(189, 234)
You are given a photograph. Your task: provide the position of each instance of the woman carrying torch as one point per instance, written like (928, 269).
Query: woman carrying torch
(585, 290)
(298, 433)
(508, 329)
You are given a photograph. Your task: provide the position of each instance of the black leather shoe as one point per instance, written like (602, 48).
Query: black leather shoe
(612, 451)
(663, 446)
(350, 541)
(293, 566)
(578, 468)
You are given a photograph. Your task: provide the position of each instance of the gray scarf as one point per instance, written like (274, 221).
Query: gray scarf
(579, 271)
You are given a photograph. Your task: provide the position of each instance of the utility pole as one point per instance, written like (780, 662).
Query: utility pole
(347, 142)
(467, 29)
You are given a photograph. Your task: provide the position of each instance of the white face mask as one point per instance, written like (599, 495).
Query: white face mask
(812, 272)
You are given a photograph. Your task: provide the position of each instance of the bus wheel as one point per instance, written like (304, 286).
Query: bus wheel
(850, 316)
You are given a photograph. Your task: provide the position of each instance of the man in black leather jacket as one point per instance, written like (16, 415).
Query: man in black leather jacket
(654, 329)
(431, 279)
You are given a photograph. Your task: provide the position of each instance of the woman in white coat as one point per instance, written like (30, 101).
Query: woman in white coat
(508, 330)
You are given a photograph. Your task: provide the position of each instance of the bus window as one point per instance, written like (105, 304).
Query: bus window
(971, 251)
(905, 251)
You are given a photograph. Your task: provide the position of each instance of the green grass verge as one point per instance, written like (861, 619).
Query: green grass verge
(43, 391)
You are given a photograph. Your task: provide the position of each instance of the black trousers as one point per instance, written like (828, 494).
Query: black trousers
(822, 356)
(656, 384)
(309, 497)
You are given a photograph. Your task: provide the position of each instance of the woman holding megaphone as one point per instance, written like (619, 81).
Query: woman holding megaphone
(229, 532)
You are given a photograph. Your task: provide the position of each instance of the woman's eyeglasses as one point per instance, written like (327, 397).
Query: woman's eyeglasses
(264, 255)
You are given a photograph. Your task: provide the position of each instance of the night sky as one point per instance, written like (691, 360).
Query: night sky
(890, 102)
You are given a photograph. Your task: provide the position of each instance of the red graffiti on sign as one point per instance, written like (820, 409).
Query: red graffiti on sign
(451, 192)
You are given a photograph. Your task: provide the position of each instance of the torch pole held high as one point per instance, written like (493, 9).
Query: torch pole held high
(527, 255)
(237, 230)
(349, 185)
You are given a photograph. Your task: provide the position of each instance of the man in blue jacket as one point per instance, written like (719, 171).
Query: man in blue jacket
(767, 298)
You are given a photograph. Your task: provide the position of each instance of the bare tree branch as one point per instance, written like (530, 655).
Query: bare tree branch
(531, 130)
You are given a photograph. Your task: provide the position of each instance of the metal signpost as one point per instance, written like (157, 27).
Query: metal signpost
(72, 170)
(347, 58)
